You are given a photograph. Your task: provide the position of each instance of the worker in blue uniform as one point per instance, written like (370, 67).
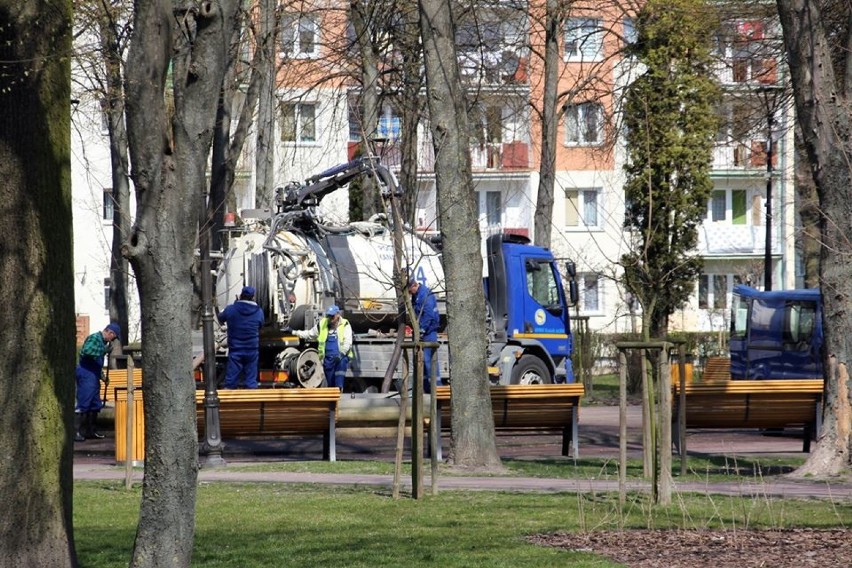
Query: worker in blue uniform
(429, 320)
(244, 319)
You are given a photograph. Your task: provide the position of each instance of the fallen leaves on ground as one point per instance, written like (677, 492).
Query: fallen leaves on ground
(788, 548)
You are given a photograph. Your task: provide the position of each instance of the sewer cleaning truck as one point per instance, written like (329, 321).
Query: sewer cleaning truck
(300, 265)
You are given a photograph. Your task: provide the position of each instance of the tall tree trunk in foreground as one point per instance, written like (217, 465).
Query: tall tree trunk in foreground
(823, 89)
(473, 443)
(187, 49)
(36, 279)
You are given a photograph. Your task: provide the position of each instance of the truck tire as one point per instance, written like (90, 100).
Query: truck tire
(530, 370)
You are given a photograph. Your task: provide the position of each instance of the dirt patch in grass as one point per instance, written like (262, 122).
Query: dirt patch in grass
(793, 548)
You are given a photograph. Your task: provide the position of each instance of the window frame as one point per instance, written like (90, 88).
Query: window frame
(576, 121)
(580, 207)
(298, 123)
(579, 31)
(291, 47)
(590, 281)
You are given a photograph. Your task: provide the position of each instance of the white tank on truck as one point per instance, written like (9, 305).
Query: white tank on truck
(300, 265)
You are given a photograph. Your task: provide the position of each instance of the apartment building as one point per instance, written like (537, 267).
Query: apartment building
(319, 124)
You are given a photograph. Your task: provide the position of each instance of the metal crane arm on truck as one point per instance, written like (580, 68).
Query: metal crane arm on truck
(298, 196)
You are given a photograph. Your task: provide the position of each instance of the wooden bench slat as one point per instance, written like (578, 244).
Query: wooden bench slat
(528, 407)
(275, 412)
(752, 404)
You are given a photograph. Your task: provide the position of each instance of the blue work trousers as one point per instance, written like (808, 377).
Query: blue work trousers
(241, 362)
(334, 367)
(88, 391)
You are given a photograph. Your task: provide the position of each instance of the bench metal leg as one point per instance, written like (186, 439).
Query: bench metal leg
(808, 432)
(438, 449)
(570, 443)
(329, 438)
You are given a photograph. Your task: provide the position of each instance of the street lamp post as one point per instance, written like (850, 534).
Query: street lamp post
(767, 255)
(770, 96)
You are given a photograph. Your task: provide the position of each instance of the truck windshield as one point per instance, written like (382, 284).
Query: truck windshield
(739, 321)
(542, 285)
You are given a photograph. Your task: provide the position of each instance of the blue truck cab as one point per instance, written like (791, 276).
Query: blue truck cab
(530, 331)
(776, 334)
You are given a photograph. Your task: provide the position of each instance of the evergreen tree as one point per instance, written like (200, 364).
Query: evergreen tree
(671, 121)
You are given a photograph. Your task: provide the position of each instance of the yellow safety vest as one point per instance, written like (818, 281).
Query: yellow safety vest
(323, 335)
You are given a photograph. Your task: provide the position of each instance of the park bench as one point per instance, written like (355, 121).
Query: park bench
(752, 404)
(716, 369)
(527, 407)
(118, 380)
(276, 412)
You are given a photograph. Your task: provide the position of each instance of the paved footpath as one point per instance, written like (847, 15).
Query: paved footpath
(598, 438)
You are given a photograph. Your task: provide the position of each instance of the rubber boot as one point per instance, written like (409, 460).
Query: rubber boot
(78, 423)
(91, 432)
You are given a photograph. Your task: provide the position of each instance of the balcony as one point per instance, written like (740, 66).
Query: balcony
(493, 68)
(724, 239)
(747, 155)
(506, 156)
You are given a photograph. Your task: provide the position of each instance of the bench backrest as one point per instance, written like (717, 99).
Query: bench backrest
(761, 404)
(717, 369)
(525, 406)
(254, 412)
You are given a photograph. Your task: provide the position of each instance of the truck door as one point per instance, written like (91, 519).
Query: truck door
(543, 313)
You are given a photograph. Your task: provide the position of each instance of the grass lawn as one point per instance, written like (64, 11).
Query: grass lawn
(263, 525)
(701, 469)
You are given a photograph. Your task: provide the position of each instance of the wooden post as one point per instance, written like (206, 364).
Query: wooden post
(664, 444)
(417, 424)
(622, 427)
(128, 462)
(681, 409)
(434, 421)
(400, 431)
(647, 419)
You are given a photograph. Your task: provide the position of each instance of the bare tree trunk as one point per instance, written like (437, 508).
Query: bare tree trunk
(228, 146)
(108, 20)
(549, 122)
(807, 203)
(169, 156)
(473, 442)
(265, 151)
(823, 111)
(408, 38)
(363, 22)
(36, 277)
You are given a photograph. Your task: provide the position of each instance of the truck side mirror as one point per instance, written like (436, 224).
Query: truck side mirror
(573, 295)
(571, 269)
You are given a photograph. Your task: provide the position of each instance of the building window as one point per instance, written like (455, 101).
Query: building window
(631, 34)
(590, 292)
(583, 39)
(583, 124)
(355, 117)
(491, 210)
(713, 291)
(738, 206)
(109, 204)
(718, 208)
(582, 208)
(299, 36)
(390, 125)
(298, 122)
(107, 294)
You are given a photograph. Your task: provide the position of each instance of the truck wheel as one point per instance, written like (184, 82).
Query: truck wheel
(530, 370)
